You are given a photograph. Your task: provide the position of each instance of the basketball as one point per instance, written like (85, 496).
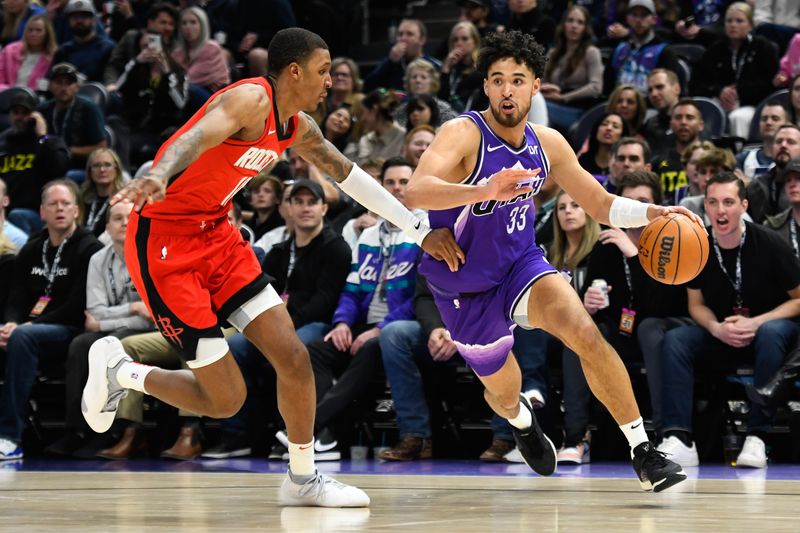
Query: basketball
(673, 249)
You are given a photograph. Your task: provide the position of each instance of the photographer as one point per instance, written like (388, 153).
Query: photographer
(29, 158)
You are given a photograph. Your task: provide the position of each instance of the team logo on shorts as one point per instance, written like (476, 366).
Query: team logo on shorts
(169, 332)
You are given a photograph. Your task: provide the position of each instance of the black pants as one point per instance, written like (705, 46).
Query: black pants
(340, 377)
(78, 372)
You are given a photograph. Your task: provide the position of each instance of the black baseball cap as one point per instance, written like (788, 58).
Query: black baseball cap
(793, 167)
(64, 69)
(22, 99)
(311, 186)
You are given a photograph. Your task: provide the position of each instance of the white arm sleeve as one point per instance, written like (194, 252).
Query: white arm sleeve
(627, 213)
(365, 190)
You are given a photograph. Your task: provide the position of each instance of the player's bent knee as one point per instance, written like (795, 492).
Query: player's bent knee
(227, 405)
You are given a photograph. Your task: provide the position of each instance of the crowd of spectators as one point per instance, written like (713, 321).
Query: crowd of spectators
(665, 101)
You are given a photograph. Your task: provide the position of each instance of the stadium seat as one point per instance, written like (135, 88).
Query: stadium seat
(714, 116)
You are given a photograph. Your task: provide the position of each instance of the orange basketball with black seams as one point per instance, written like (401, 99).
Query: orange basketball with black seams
(673, 249)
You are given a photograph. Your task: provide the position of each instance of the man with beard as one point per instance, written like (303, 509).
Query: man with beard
(686, 124)
(29, 158)
(478, 178)
(766, 194)
(87, 50)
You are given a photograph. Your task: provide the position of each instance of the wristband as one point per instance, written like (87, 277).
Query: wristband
(363, 188)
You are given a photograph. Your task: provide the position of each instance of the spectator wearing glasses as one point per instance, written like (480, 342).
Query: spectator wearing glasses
(103, 179)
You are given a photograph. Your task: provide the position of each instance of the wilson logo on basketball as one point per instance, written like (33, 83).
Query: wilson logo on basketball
(664, 255)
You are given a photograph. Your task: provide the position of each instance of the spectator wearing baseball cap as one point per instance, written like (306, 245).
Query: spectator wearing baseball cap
(88, 51)
(45, 156)
(21, 12)
(787, 222)
(77, 120)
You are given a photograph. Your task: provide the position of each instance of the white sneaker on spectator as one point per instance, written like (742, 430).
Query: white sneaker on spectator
(321, 491)
(679, 452)
(574, 455)
(753, 454)
(535, 397)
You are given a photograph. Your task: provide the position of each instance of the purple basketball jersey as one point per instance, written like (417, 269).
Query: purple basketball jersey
(493, 235)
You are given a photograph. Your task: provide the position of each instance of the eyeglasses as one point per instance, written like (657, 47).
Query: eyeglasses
(102, 166)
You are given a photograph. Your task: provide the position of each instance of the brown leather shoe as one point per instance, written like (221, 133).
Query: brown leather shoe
(497, 452)
(409, 449)
(132, 443)
(187, 446)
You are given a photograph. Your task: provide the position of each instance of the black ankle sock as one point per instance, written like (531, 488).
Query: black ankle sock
(684, 436)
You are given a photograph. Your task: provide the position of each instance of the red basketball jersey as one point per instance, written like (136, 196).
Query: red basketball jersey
(204, 190)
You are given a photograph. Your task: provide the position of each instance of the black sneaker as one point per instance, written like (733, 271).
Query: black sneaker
(655, 471)
(536, 449)
(67, 444)
(277, 452)
(230, 445)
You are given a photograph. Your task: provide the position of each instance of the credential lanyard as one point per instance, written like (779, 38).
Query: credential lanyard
(737, 283)
(50, 270)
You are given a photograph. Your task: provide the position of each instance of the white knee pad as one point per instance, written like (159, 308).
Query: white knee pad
(266, 299)
(209, 350)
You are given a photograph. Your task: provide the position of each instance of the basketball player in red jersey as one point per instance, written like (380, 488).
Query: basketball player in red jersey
(193, 269)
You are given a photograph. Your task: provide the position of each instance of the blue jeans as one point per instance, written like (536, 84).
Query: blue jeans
(530, 348)
(687, 345)
(315, 331)
(27, 343)
(27, 220)
(563, 116)
(404, 347)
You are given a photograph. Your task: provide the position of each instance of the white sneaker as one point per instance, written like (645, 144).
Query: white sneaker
(323, 451)
(321, 491)
(535, 397)
(679, 452)
(514, 456)
(102, 392)
(10, 450)
(753, 454)
(574, 455)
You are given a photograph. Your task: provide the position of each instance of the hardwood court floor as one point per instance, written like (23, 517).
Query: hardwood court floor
(198, 500)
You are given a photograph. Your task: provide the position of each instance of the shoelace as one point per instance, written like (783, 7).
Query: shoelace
(655, 457)
(317, 486)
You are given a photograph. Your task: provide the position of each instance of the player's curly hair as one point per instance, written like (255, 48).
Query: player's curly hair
(520, 46)
(291, 45)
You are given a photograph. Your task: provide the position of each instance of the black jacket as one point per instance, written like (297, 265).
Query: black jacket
(27, 162)
(320, 270)
(714, 71)
(69, 288)
(766, 196)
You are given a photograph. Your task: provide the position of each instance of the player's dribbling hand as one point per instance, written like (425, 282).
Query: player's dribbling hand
(147, 189)
(655, 211)
(505, 185)
(441, 245)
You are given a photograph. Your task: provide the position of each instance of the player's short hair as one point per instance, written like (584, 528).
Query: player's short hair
(624, 141)
(638, 178)
(395, 162)
(516, 45)
(725, 176)
(291, 45)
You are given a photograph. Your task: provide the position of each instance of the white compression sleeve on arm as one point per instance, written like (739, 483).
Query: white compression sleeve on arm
(627, 213)
(365, 190)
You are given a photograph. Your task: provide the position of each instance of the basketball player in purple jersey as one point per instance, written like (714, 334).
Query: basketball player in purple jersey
(477, 178)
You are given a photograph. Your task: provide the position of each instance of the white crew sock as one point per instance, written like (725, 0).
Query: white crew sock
(523, 420)
(132, 375)
(634, 432)
(301, 459)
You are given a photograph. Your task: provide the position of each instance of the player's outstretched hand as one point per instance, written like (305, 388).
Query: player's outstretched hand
(655, 211)
(147, 189)
(505, 185)
(441, 245)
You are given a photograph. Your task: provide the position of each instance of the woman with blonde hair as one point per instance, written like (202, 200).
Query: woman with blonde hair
(422, 78)
(15, 16)
(626, 101)
(459, 77)
(202, 57)
(574, 236)
(104, 178)
(28, 60)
